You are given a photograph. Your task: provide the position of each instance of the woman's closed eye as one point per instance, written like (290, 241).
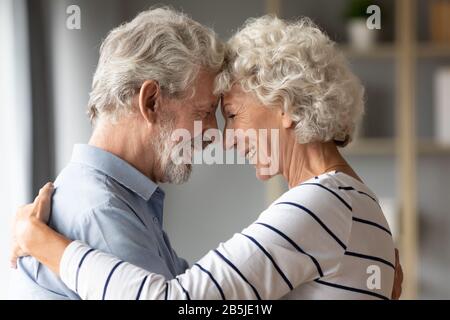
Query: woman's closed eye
(231, 116)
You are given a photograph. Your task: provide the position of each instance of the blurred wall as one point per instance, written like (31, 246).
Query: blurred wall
(15, 124)
(72, 58)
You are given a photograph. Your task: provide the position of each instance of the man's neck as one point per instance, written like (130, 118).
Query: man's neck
(126, 143)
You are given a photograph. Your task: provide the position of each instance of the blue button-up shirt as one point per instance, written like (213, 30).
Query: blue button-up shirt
(105, 202)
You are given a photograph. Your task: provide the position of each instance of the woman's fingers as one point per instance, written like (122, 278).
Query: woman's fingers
(399, 268)
(398, 278)
(44, 191)
(47, 189)
(43, 203)
(40, 209)
(13, 259)
(16, 253)
(25, 211)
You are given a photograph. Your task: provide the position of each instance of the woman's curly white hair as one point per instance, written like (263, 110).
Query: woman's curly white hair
(296, 66)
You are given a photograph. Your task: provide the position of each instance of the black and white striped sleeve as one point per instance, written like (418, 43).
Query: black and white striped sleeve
(285, 247)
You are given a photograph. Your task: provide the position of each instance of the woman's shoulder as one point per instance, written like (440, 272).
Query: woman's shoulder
(316, 205)
(315, 214)
(328, 189)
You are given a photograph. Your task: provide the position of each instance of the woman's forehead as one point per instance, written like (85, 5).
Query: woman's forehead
(235, 95)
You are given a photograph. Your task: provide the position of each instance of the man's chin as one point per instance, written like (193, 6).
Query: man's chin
(263, 176)
(178, 174)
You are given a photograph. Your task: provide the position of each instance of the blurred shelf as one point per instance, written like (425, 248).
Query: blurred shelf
(386, 147)
(370, 147)
(433, 50)
(433, 148)
(383, 51)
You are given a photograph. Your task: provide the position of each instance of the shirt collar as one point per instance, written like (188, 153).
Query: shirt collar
(116, 168)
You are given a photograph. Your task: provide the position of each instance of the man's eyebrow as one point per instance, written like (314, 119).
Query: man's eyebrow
(208, 105)
(213, 105)
(203, 106)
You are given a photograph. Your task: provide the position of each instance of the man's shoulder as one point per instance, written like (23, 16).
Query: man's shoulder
(81, 191)
(88, 186)
(77, 174)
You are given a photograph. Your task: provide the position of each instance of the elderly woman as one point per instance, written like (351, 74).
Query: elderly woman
(325, 238)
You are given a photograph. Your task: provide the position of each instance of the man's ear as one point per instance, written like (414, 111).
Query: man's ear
(286, 120)
(148, 96)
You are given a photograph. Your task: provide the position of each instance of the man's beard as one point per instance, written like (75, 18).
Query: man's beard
(164, 147)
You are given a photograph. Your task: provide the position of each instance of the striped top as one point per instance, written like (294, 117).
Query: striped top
(324, 239)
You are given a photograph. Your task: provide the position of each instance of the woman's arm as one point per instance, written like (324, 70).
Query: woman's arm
(255, 264)
(251, 265)
(46, 245)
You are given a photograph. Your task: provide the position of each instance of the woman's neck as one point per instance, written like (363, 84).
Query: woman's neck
(305, 161)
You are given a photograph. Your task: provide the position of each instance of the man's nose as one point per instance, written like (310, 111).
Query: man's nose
(229, 138)
(210, 123)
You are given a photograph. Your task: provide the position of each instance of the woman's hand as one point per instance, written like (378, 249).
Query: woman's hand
(398, 278)
(32, 236)
(24, 222)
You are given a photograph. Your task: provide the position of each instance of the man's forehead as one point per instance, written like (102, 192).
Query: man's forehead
(208, 103)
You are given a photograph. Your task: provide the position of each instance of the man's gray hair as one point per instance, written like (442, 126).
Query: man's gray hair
(158, 44)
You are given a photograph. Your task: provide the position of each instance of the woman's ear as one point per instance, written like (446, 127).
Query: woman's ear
(148, 96)
(286, 120)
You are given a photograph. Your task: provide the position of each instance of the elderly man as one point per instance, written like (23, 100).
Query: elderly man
(155, 74)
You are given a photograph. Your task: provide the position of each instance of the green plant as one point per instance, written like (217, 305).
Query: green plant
(357, 9)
